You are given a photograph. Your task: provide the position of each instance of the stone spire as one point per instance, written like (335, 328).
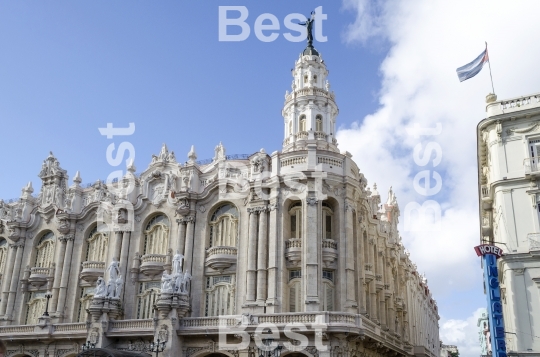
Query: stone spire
(310, 110)
(192, 155)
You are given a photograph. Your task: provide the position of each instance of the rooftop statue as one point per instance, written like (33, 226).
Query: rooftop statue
(309, 25)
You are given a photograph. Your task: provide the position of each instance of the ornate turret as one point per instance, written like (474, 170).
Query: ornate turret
(310, 110)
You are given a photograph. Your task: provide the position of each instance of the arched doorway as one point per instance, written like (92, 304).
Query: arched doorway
(105, 352)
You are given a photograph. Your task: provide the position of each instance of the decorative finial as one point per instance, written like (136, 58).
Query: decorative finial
(131, 166)
(192, 155)
(77, 179)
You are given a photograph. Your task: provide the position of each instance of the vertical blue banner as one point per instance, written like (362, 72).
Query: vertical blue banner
(495, 309)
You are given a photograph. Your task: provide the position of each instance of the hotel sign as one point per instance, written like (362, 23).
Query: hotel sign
(489, 254)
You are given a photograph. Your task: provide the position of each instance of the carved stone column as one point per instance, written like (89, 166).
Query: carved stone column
(350, 305)
(252, 256)
(311, 251)
(15, 279)
(361, 265)
(6, 277)
(273, 259)
(262, 254)
(124, 255)
(117, 245)
(372, 288)
(181, 235)
(190, 230)
(65, 275)
(58, 273)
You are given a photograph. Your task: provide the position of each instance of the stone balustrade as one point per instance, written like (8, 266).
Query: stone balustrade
(293, 243)
(132, 324)
(154, 258)
(93, 265)
(329, 161)
(153, 264)
(78, 326)
(295, 160)
(312, 91)
(320, 135)
(329, 243)
(222, 250)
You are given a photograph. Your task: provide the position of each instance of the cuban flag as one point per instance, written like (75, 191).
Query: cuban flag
(472, 69)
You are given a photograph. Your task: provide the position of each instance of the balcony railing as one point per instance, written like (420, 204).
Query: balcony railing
(293, 243)
(531, 166)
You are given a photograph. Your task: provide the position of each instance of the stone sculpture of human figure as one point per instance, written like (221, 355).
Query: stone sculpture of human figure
(111, 288)
(114, 270)
(309, 26)
(177, 262)
(178, 282)
(101, 288)
(119, 286)
(166, 282)
(185, 282)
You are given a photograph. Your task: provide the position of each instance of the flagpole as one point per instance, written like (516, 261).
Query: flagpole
(490, 76)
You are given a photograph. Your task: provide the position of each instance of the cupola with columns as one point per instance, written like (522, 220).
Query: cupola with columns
(310, 110)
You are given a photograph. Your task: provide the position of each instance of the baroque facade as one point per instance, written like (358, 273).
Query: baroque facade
(182, 252)
(508, 174)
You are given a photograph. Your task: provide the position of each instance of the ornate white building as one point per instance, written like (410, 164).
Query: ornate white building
(291, 237)
(508, 173)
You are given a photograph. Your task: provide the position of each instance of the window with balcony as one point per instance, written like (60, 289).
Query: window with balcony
(97, 246)
(45, 251)
(328, 295)
(303, 123)
(295, 214)
(224, 227)
(146, 298)
(295, 295)
(319, 123)
(327, 218)
(156, 236)
(220, 297)
(35, 307)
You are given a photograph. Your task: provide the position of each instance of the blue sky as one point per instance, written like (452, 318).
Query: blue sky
(70, 67)
(67, 68)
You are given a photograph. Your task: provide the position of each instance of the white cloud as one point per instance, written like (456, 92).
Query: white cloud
(462, 333)
(428, 40)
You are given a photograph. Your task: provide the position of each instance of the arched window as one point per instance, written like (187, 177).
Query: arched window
(328, 290)
(303, 123)
(220, 299)
(156, 236)
(148, 294)
(295, 291)
(35, 307)
(295, 214)
(45, 251)
(224, 227)
(3, 254)
(318, 123)
(327, 221)
(97, 246)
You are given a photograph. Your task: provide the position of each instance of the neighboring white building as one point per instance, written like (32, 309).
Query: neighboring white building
(449, 351)
(508, 173)
(291, 237)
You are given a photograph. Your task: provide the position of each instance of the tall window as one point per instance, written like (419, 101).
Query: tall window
(224, 226)
(87, 294)
(156, 236)
(45, 251)
(290, 127)
(220, 299)
(35, 307)
(303, 123)
(295, 291)
(327, 218)
(295, 214)
(148, 294)
(328, 290)
(3, 254)
(97, 245)
(318, 123)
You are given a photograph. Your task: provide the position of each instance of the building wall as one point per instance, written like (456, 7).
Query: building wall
(509, 213)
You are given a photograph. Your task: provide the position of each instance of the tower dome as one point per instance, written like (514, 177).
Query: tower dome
(310, 110)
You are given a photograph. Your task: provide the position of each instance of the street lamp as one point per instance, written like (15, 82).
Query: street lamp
(88, 346)
(48, 295)
(157, 347)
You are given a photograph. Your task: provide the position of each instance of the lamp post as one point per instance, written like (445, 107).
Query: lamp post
(157, 347)
(48, 295)
(88, 346)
